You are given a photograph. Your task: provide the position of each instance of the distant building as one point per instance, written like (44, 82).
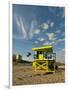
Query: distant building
(14, 57)
(17, 58)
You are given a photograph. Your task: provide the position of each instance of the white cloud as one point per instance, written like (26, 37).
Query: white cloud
(20, 25)
(52, 24)
(25, 32)
(17, 21)
(31, 30)
(49, 43)
(37, 31)
(46, 43)
(41, 39)
(61, 40)
(51, 36)
(35, 42)
(45, 26)
(52, 42)
(58, 31)
(33, 24)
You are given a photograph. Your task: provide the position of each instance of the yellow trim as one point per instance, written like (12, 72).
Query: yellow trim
(37, 65)
(43, 67)
(41, 57)
(42, 48)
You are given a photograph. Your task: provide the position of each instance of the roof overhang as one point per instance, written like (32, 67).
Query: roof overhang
(46, 47)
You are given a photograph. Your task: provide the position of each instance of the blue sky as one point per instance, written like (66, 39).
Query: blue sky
(34, 26)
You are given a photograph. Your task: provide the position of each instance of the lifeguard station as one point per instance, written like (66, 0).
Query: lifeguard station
(44, 58)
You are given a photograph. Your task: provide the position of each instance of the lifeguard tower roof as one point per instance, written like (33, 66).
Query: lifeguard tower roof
(45, 47)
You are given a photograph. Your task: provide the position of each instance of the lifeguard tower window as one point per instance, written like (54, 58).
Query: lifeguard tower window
(51, 56)
(40, 52)
(45, 54)
(36, 56)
